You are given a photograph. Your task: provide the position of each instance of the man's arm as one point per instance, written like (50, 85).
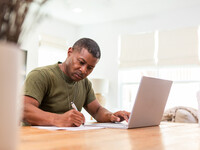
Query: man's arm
(101, 114)
(35, 116)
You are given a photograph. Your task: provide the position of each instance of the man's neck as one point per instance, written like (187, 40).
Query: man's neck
(62, 68)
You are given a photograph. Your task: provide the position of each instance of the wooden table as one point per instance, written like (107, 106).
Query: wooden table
(167, 136)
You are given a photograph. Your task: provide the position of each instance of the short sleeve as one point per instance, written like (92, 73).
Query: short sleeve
(90, 93)
(36, 85)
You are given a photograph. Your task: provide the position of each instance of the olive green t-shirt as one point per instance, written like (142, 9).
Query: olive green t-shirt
(55, 91)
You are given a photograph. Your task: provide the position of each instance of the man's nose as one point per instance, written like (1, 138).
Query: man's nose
(83, 69)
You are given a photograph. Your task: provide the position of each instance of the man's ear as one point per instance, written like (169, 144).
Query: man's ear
(70, 50)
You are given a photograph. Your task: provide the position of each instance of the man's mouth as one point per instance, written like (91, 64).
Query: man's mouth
(78, 76)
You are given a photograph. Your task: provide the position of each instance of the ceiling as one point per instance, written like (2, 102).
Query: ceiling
(82, 12)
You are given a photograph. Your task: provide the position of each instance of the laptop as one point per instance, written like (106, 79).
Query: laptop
(149, 104)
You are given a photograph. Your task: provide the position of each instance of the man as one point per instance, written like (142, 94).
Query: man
(49, 91)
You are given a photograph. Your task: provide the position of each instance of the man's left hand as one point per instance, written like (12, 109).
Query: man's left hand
(120, 116)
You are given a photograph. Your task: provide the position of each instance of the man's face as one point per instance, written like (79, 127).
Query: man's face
(80, 64)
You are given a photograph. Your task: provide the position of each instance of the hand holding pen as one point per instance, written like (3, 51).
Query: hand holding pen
(74, 107)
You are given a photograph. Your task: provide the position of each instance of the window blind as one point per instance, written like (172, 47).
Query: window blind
(178, 47)
(52, 41)
(137, 50)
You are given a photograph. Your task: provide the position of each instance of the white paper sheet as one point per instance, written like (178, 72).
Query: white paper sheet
(82, 127)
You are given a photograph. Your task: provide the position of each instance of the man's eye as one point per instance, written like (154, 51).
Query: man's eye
(81, 62)
(90, 68)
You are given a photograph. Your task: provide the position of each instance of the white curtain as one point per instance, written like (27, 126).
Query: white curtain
(178, 47)
(137, 50)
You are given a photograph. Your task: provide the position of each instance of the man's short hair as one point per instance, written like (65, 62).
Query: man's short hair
(90, 45)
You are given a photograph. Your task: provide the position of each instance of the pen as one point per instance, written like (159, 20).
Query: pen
(74, 106)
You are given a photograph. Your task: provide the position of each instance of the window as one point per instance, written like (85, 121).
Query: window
(176, 58)
(48, 55)
(51, 50)
(183, 92)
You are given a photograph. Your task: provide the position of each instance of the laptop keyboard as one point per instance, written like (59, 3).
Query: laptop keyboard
(111, 125)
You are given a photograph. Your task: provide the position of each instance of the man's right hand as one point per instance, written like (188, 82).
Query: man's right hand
(35, 116)
(71, 118)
